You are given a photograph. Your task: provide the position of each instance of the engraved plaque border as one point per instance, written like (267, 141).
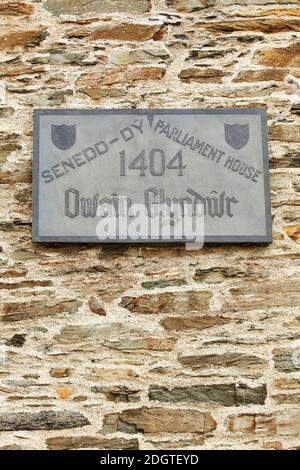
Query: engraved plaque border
(266, 238)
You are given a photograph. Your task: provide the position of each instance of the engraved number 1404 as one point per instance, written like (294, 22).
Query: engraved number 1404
(155, 162)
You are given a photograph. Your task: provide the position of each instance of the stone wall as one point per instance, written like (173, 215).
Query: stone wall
(151, 347)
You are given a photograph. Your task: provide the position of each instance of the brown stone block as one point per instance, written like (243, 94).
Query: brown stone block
(159, 420)
(264, 25)
(274, 445)
(96, 306)
(287, 384)
(285, 132)
(90, 84)
(28, 284)
(281, 423)
(288, 56)
(287, 399)
(168, 302)
(266, 74)
(59, 372)
(11, 8)
(23, 310)
(15, 68)
(121, 32)
(202, 75)
(293, 231)
(188, 6)
(228, 359)
(284, 11)
(265, 295)
(118, 393)
(21, 36)
(91, 442)
(194, 322)
(80, 333)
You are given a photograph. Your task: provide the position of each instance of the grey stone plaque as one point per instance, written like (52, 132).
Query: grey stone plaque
(84, 160)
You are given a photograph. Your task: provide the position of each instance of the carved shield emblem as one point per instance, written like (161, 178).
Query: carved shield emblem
(63, 137)
(236, 135)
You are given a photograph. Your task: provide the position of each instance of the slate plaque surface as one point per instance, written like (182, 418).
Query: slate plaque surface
(83, 158)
